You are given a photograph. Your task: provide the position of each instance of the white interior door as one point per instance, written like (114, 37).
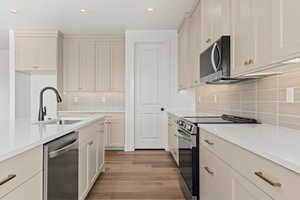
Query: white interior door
(151, 94)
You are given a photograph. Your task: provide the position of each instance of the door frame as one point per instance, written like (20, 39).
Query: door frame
(132, 38)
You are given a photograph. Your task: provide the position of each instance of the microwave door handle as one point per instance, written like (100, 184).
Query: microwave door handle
(219, 55)
(212, 57)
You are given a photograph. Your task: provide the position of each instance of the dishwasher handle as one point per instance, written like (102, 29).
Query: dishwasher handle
(64, 149)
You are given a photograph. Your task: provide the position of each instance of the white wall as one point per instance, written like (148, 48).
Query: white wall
(4, 84)
(22, 95)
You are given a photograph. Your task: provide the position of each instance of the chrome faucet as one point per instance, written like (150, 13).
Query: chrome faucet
(42, 109)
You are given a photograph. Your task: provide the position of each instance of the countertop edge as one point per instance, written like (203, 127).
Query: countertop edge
(16, 152)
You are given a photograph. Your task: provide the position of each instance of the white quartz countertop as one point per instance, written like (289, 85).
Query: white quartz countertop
(91, 111)
(280, 145)
(21, 135)
(185, 113)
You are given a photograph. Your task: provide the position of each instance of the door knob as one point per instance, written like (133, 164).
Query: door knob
(162, 109)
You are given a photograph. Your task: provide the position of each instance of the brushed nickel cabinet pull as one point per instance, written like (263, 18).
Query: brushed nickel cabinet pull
(261, 175)
(9, 177)
(208, 171)
(209, 142)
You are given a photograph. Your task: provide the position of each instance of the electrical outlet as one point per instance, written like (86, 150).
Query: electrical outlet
(290, 95)
(75, 99)
(215, 98)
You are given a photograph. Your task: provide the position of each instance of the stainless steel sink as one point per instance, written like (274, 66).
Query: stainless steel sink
(60, 122)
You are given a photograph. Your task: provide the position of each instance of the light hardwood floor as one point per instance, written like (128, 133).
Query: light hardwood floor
(142, 175)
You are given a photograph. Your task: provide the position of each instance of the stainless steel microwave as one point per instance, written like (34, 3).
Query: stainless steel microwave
(215, 62)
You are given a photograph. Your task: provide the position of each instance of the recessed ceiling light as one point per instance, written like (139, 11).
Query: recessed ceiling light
(83, 11)
(13, 11)
(150, 10)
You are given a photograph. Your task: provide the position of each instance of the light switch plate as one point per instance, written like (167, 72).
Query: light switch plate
(290, 95)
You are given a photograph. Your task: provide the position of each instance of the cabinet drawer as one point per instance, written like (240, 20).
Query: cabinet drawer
(277, 181)
(17, 170)
(30, 190)
(86, 133)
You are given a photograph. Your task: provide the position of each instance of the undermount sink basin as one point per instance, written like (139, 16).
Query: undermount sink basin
(60, 122)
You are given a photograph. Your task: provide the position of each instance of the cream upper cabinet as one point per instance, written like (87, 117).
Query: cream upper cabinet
(87, 66)
(215, 21)
(195, 44)
(37, 50)
(251, 30)
(184, 69)
(117, 66)
(103, 70)
(71, 65)
(93, 64)
(286, 32)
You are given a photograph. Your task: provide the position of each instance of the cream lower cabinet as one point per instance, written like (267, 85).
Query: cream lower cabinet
(30, 190)
(91, 156)
(21, 176)
(172, 138)
(218, 181)
(115, 131)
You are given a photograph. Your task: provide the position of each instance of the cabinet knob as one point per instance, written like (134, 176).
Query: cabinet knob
(246, 63)
(195, 81)
(208, 40)
(251, 61)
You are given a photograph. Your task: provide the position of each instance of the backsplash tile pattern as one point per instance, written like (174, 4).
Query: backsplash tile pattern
(92, 101)
(263, 99)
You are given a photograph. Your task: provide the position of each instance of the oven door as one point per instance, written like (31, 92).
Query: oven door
(188, 161)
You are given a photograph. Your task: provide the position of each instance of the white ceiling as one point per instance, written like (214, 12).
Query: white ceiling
(103, 16)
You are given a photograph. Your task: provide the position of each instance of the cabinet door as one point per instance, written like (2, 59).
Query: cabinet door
(48, 48)
(87, 67)
(215, 177)
(195, 43)
(207, 23)
(100, 149)
(117, 66)
(31, 189)
(251, 35)
(71, 65)
(27, 53)
(286, 40)
(116, 134)
(184, 70)
(103, 69)
(243, 34)
(221, 18)
(83, 169)
(242, 189)
(92, 160)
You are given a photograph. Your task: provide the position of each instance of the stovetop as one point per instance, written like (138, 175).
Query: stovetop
(190, 124)
(224, 119)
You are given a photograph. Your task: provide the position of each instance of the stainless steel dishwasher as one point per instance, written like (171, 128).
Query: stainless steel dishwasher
(61, 168)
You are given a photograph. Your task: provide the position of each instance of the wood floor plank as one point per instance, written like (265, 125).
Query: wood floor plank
(139, 175)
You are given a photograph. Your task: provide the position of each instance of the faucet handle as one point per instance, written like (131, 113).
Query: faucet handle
(45, 111)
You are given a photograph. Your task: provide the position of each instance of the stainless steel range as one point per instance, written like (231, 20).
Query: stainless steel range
(188, 140)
